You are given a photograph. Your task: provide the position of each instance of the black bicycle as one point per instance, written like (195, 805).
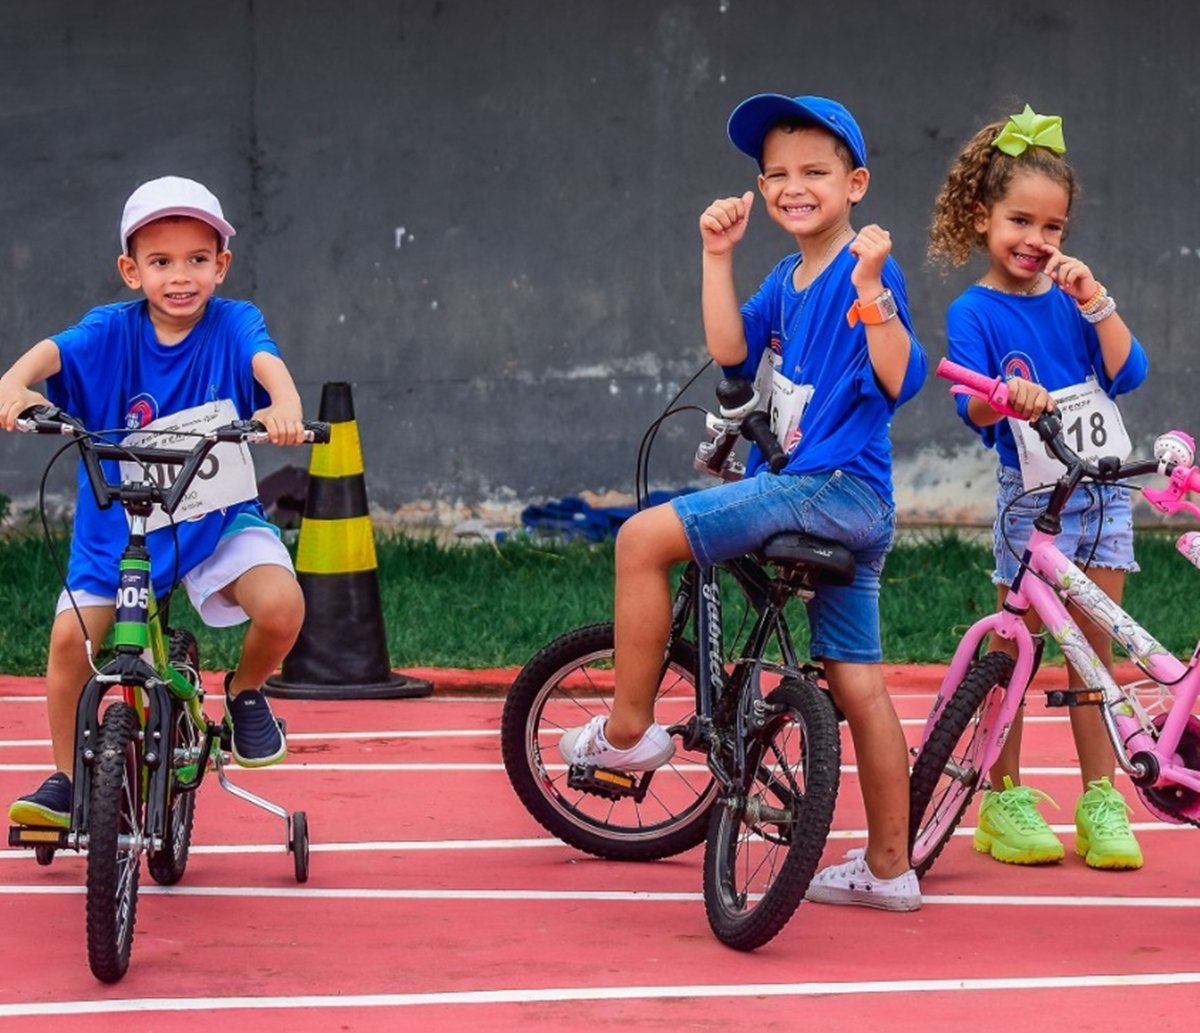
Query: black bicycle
(139, 760)
(757, 764)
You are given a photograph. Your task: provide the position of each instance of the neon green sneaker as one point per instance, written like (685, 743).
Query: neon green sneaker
(1012, 830)
(1103, 837)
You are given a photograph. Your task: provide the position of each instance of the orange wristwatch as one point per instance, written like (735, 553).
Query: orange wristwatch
(872, 313)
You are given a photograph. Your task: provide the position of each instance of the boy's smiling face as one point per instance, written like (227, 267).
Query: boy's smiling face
(805, 182)
(177, 262)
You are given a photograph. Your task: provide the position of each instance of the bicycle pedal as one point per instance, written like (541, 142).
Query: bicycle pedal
(1074, 697)
(37, 836)
(607, 782)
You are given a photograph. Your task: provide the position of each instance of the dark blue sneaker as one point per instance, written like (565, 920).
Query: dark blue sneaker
(254, 733)
(49, 805)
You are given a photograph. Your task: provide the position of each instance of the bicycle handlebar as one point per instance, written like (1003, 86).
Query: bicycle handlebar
(739, 417)
(40, 419)
(1174, 452)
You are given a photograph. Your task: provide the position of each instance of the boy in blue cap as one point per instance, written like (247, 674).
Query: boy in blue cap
(829, 331)
(176, 356)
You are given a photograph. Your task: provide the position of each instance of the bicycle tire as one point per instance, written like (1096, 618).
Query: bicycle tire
(168, 864)
(298, 845)
(756, 871)
(113, 866)
(946, 773)
(563, 685)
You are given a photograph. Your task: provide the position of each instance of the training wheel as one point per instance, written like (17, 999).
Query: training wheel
(298, 845)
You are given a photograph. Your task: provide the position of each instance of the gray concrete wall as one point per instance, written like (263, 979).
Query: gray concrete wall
(483, 214)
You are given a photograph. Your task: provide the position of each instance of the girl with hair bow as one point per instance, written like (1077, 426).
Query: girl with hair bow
(1040, 319)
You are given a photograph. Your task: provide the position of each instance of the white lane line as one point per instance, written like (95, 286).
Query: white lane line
(585, 896)
(453, 845)
(395, 846)
(450, 767)
(452, 733)
(596, 993)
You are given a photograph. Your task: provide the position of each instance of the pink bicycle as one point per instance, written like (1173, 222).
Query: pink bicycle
(1155, 737)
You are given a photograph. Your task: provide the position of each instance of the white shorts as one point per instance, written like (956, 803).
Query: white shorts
(253, 547)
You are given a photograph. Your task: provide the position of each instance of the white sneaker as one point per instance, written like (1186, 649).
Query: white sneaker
(587, 746)
(854, 883)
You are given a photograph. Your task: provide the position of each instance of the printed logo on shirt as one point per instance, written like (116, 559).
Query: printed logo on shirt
(1019, 364)
(143, 409)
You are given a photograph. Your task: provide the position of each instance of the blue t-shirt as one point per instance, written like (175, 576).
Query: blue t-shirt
(1041, 338)
(116, 376)
(846, 423)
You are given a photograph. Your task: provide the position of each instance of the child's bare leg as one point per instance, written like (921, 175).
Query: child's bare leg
(67, 672)
(649, 544)
(1095, 751)
(273, 601)
(882, 758)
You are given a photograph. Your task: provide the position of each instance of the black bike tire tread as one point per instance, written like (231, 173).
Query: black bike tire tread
(108, 956)
(992, 669)
(523, 695)
(750, 930)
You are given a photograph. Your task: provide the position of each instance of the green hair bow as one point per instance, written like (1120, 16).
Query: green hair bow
(1029, 129)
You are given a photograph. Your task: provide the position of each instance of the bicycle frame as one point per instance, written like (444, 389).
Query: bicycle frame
(699, 597)
(149, 684)
(1045, 573)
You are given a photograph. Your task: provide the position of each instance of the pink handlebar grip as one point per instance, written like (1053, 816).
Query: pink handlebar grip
(967, 382)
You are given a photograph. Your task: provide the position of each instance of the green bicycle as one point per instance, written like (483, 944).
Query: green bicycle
(139, 760)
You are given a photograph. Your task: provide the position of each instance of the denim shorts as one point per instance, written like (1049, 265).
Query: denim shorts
(1097, 526)
(735, 519)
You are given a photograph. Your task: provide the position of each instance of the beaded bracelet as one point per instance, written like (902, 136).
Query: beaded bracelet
(1108, 307)
(1094, 301)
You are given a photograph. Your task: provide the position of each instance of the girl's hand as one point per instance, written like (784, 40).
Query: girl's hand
(284, 423)
(1029, 399)
(1070, 274)
(871, 247)
(723, 223)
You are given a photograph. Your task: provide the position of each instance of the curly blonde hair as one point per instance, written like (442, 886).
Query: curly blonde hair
(981, 175)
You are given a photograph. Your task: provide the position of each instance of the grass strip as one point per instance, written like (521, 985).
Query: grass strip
(493, 605)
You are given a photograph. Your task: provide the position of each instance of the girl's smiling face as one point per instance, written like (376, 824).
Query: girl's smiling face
(177, 262)
(1018, 227)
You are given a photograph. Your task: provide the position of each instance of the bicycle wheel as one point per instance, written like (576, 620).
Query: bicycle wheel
(114, 833)
(563, 686)
(764, 847)
(167, 864)
(947, 770)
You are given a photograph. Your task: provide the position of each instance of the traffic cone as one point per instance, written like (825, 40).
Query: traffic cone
(341, 652)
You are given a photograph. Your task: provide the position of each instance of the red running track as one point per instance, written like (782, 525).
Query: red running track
(436, 903)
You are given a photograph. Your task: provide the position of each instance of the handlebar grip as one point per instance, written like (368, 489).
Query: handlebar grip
(757, 428)
(318, 431)
(967, 377)
(253, 432)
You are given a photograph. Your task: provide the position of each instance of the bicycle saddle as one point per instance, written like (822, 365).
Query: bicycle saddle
(828, 562)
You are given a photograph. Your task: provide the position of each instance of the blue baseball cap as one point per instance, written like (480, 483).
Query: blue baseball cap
(752, 118)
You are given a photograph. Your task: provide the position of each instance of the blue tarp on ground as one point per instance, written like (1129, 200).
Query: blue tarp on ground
(573, 517)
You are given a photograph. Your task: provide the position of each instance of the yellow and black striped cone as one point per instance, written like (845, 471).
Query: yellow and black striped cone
(342, 649)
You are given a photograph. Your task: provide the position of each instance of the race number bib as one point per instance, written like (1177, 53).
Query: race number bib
(785, 401)
(226, 476)
(1092, 426)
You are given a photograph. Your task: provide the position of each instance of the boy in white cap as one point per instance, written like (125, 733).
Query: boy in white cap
(829, 332)
(176, 356)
